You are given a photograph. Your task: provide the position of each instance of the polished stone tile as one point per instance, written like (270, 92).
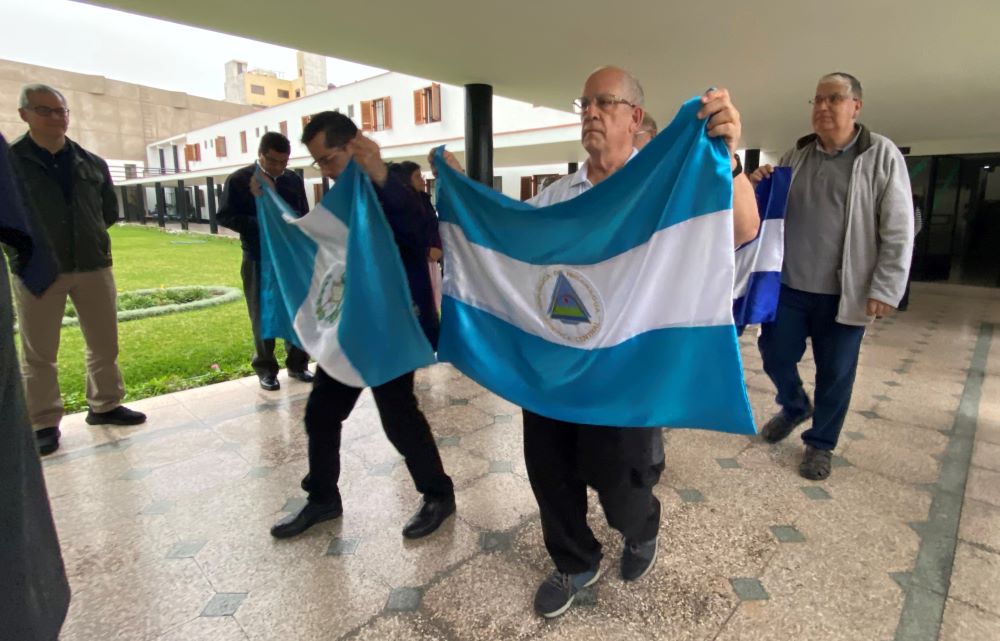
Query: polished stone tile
(416, 562)
(341, 546)
(206, 629)
(458, 420)
(986, 455)
(405, 599)
(832, 584)
(983, 485)
(133, 604)
(965, 623)
(980, 524)
(749, 589)
(401, 627)
(214, 467)
(173, 447)
(503, 441)
(315, 601)
(497, 502)
(223, 604)
(974, 569)
(196, 475)
(459, 604)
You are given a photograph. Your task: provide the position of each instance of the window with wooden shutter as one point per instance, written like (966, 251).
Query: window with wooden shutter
(419, 107)
(427, 104)
(387, 111)
(527, 187)
(283, 126)
(435, 110)
(317, 193)
(220, 147)
(368, 115)
(243, 142)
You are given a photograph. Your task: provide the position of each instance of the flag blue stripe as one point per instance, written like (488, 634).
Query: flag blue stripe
(772, 193)
(287, 260)
(667, 377)
(379, 332)
(760, 302)
(557, 235)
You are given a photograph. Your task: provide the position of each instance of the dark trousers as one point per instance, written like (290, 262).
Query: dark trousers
(835, 350)
(621, 464)
(264, 362)
(331, 402)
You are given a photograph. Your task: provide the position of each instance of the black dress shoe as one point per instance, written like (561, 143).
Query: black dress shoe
(47, 439)
(269, 383)
(121, 415)
(429, 517)
(305, 375)
(311, 514)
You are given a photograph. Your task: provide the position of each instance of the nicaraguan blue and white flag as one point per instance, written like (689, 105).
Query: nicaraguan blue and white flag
(758, 262)
(613, 308)
(332, 282)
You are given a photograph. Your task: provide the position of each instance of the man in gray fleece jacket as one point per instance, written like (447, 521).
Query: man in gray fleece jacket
(848, 241)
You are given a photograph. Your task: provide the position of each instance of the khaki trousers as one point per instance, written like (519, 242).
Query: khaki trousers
(40, 322)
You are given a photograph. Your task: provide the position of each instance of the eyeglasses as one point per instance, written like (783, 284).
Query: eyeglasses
(604, 102)
(46, 112)
(833, 100)
(327, 159)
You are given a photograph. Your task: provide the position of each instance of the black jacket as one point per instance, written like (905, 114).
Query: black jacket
(76, 225)
(238, 211)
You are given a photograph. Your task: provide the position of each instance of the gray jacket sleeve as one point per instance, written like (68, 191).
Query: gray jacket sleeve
(894, 222)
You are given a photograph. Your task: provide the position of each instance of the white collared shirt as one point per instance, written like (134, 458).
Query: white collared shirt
(567, 187)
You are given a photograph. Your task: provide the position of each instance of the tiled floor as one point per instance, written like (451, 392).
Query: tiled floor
(164, 527)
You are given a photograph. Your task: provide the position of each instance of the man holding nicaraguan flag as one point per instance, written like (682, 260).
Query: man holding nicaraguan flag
(606, 314)
(351, 286)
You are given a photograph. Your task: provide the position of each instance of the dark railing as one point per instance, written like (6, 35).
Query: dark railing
(131, 172)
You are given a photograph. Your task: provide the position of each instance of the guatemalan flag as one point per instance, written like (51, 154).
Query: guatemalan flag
(758, 262)
(613, 308)
(332, 282)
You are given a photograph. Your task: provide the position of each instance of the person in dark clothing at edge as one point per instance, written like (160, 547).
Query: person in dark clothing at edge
(409, 174)
(239, 213)
(333, 139)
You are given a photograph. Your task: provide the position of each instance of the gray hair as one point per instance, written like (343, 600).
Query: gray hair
(633, 90)
(25, 100)
(847, 79)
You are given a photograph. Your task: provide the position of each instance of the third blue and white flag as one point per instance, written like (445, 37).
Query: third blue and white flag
(333, 283)
(613, 308)
(758, 262)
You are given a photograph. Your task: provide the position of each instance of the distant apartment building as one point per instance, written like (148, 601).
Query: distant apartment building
(114, 119)
(265, 88)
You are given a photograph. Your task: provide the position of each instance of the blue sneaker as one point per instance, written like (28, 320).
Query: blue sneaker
(556, 593)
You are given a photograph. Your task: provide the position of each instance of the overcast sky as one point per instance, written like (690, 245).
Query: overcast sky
(88, 39)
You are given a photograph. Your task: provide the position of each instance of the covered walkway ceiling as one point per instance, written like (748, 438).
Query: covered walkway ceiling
(931, 69)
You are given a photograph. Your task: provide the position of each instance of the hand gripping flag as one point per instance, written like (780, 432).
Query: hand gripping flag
(613, 308)
(332, 282)
(758, 262)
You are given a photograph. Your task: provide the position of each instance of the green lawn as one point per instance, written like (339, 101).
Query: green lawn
(174, 352)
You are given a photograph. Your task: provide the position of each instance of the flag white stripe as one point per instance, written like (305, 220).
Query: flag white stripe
(762, 255)
(692, 260)
(330, 235)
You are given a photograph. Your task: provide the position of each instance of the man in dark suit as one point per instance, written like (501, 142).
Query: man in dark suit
(239, 213)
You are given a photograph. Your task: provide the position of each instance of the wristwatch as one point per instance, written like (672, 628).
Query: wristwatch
(739, 166)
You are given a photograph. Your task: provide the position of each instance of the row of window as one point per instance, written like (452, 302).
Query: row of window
(376, 115)
(259, 90)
